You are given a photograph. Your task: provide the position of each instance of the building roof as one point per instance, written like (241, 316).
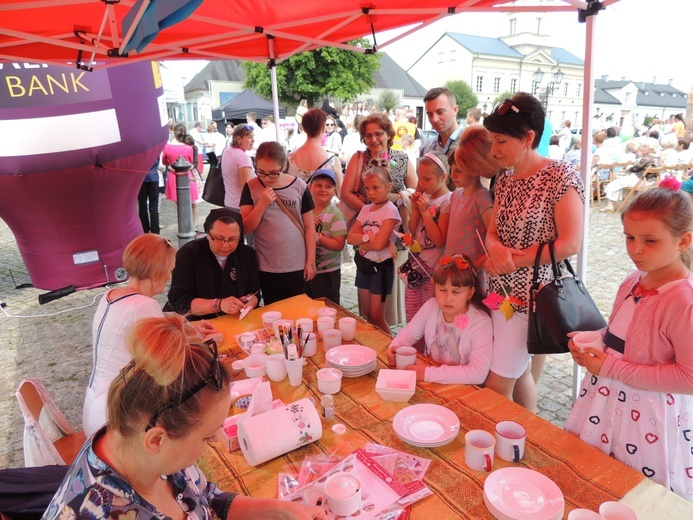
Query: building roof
(391, 76)
(220, 70)
(484, 45)
(563, 56)
(648, 94)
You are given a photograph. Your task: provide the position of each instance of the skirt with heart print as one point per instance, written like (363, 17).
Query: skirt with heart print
(652, 432)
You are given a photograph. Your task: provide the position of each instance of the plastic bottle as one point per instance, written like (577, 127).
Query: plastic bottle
(327, 407)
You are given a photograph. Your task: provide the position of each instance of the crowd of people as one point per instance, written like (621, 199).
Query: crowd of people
(442, 237)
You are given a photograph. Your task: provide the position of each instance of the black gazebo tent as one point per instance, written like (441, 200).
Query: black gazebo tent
(247, 101)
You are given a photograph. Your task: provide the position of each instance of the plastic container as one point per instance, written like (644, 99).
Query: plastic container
(329, 380)
(396, 385)
(327, 407)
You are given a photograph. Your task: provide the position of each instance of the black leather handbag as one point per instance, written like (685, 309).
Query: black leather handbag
(557, 308)
(214, 191)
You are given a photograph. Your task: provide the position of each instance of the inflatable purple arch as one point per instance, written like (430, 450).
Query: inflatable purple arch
(74, 150)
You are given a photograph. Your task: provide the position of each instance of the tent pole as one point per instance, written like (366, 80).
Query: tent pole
(272, 64)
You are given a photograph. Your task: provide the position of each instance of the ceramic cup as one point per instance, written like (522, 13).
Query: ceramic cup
(247, 339)
(324, 323)
(306, 325)
(287, 324)
(331, 338)
(348, 328)
(329, 380)
(327, 311)
(588, 338)
(343, 493)
(584, 514)
(617, 511)
(268, 319)
(404, 356)
(276, 368)
(510, 441)
(254, 365)
(294, 367)
(311, 345)
(478, 450)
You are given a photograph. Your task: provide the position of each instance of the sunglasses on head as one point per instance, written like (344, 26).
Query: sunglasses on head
(381, 162)
(214, 379)
(502, 108)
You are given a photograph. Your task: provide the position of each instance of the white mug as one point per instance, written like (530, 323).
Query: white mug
(331, 338)
(348, 327)
(478, 450)
(404, 356)
(343, 493)
(588, 338)
(510, 441)
(617, 511)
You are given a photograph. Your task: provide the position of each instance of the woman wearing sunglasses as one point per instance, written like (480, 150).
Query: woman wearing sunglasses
(236, 165)
(333, 140)
(536, 200)
(164, 407)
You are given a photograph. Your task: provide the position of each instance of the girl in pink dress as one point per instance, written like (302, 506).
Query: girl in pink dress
(636, 402)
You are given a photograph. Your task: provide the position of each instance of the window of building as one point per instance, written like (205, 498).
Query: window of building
(513, 25)
(627, 97)
(513, 85)
(565, 89)
(496, 85)
(563, 116)
(538, 25)
(578, 90)
(440, 57)
(535, 87)
(479, 83)
(453, 54)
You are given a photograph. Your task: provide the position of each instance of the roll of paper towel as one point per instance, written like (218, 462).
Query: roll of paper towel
(279, 431)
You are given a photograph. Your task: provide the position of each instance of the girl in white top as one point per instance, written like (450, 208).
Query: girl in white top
(456, 326)
(372, 233)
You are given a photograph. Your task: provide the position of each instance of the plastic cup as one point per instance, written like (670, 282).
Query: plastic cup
(510, 441)
(325, 323)
(404, 356)
(311, 345)
(306, 325)
(268, 319)
(287, 324)
(348, 328)
(617, 511)
(254, 365)
(343, 492)
(588, 338)
(478, 450)
(584, 514)
(331, 338)
(327, 311)
(258, 349)
(276, 368)
(294, 367)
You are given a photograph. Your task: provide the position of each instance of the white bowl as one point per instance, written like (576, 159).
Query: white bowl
(329, 380)
(396, 385)
(254, 365)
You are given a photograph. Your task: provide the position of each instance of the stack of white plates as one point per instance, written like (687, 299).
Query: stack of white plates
(522, 494)
(352, 360)
(426, 425)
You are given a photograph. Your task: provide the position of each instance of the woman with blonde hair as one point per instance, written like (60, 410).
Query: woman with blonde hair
(164, 407)
(149, 260)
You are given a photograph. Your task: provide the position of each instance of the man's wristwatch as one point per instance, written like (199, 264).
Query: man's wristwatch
(365, 238)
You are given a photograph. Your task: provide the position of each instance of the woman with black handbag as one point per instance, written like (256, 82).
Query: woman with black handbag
(536, 200)
(237, 165)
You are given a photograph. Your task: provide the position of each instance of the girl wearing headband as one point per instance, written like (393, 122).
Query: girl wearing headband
(455, 325)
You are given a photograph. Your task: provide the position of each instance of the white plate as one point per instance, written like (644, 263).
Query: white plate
(428, 424)
(353, 356)
(523, 494)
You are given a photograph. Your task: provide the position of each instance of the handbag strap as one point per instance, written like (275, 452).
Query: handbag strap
(281, 205)
(325, 162)
(554, 266)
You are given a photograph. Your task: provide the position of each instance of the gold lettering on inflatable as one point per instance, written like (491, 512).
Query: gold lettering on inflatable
(68, 85)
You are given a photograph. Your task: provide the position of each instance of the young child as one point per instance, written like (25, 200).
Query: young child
(372, 232)
(456, 326)
(471, 205)
(428, 225)
(635, 404)
(285, 252)
(331, 231)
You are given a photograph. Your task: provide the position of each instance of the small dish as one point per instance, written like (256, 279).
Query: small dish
(255, 365)
(396, 385)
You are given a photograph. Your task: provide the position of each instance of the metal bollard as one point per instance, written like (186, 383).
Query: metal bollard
(186, 231)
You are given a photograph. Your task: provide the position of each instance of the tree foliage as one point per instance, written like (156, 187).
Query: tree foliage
(501, 97)
(388, 100)
(464, 95)
(312, 75)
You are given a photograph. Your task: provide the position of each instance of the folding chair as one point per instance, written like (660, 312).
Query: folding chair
(643, 184)
(49, 438)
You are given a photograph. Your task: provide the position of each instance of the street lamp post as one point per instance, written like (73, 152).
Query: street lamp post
(550, 88)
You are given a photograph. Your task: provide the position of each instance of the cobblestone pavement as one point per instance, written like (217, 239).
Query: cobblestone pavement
(53, 341)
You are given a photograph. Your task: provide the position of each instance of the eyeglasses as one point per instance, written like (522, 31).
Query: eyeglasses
(224, 241)
(213, 379)
(381, 162)
(377, 135)
(270, 175)
(329, 124)
(502, 108)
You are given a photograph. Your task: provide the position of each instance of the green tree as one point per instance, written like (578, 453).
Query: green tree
(388, 100)
(464, 95)
(328, 71)
(501, 97)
